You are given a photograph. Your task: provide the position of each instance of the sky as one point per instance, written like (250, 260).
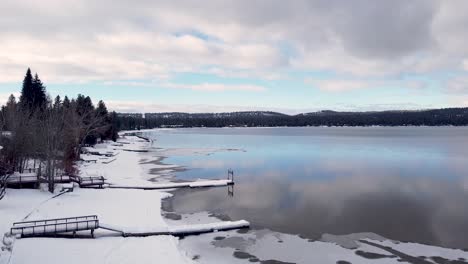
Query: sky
(237, 55)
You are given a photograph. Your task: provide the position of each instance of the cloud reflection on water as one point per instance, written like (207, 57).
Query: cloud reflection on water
(424, 210)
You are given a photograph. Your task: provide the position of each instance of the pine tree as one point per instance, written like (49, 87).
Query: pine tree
(26, 99)
(39, 95)
(66, 102)
(10, 113)
(57, 102)
(102, 109)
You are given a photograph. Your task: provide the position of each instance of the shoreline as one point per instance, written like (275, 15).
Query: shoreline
(144, 209)
(115, 207)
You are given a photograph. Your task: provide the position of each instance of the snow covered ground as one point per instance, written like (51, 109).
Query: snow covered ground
(140, 210)
(135, 209)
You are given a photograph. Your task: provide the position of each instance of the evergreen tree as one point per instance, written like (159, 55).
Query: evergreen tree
(26, 99)
(57, 103)
(39, 95)
(84, 105)
(102, 109)
(66, 102)
(10, 113)
(103, 115)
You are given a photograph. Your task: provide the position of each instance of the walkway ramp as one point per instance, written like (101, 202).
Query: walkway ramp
(55, 226)
(158, 186)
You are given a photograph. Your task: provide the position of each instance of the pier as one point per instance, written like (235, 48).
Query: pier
(176, 185)
(99, 182)
(31, 179)
(72, 225)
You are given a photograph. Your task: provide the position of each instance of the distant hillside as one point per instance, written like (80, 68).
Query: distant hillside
(212, 115)
(432, 117)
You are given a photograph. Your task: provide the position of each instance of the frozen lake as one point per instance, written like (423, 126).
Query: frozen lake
(407, 184)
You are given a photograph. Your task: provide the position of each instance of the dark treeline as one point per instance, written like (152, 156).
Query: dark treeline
(433, 117)
(46, 135)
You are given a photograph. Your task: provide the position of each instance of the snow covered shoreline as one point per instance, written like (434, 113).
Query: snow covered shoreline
(140, 211)
(135, 209)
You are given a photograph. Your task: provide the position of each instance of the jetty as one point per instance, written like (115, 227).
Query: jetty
(175, 185)
(72, 225)
(18, 180)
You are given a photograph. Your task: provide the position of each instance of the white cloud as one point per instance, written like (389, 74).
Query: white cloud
(344, 85)
(217, 87)
(458, 85)
(147, 107)
(338, 85)
(211, 87)
(122, 40)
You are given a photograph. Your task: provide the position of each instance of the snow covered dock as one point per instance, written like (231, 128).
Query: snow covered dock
(172, 185)
(183, 230)
(18, 179)
(53, 227)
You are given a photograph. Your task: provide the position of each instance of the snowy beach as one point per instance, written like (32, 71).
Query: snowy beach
(130, 208)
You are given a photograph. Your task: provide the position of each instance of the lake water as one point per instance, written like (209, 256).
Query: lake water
(404, 183)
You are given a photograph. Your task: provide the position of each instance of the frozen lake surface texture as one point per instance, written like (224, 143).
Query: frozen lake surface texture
(405, 184)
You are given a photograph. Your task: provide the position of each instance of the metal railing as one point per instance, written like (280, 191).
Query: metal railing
(89, 181)
(55, 226)
(20, 179)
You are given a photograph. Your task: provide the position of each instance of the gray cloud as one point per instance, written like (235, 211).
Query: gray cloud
(152, 39)
(385, 29)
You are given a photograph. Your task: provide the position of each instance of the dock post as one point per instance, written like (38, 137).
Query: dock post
(231, 175)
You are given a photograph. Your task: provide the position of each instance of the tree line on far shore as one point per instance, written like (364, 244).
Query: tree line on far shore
(431, 117)
(47, 135)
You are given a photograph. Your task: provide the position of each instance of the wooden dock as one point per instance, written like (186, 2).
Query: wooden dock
(30, 179)
(20, 180)
(56, 226)
(176, 185)
(71, 225)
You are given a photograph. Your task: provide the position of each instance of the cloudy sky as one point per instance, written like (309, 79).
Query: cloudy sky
(226, 55)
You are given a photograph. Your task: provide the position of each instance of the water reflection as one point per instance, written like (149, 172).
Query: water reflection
(425, 211)
(407, 184)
